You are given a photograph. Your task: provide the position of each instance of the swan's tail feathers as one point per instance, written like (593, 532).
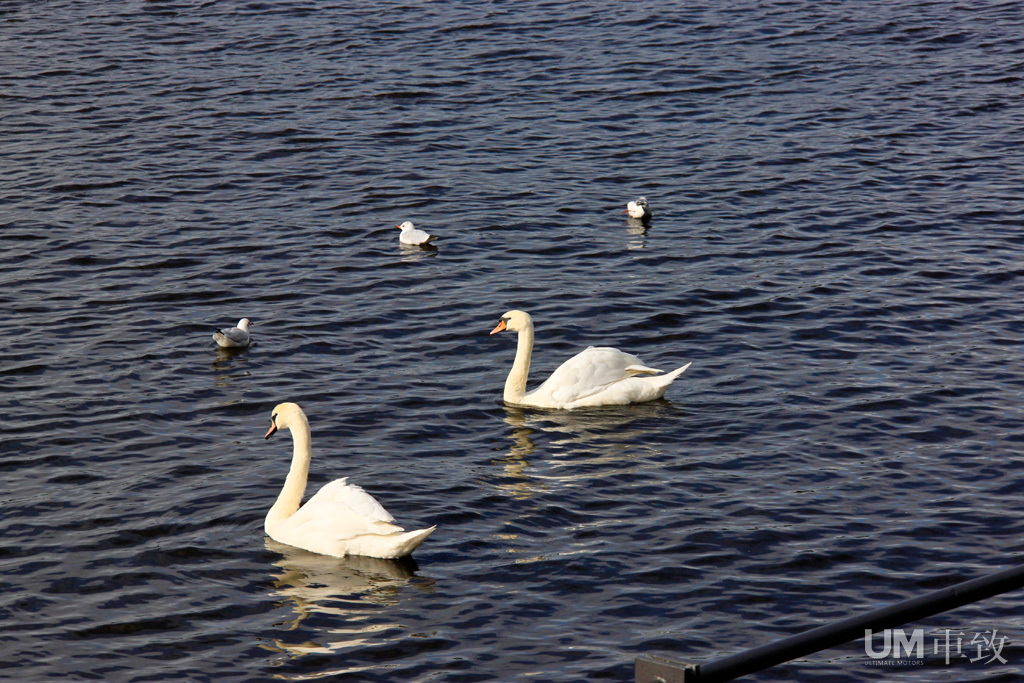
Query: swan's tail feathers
(410, 540)
(678, 371)
(633, 370)
(670, 377)
(385, 546)
(661, 383)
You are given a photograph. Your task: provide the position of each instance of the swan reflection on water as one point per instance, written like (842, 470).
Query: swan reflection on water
(340, 588)
(608, 435)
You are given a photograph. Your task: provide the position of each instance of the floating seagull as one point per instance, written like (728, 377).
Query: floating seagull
(412, 235)
(639, 209)
(234, 337)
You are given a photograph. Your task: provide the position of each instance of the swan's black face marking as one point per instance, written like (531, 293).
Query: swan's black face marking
(273, 426)
(505, 320)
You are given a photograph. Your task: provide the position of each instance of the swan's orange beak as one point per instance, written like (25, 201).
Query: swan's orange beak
(273, 428)
(499, 328)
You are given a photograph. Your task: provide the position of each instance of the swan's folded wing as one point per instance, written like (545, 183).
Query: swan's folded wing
(356, 499)
(340, 510)
(589, 372)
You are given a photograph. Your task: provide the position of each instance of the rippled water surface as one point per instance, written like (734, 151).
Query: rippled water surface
(836, 245)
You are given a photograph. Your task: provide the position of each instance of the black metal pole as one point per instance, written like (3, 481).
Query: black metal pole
(837, 633)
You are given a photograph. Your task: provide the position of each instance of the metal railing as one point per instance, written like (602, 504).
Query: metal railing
(651, 669)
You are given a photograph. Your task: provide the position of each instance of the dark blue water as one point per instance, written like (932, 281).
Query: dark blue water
(836, 246)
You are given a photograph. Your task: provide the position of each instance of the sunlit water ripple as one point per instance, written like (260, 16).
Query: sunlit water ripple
(836, 246)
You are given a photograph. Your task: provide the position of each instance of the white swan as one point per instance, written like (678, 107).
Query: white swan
(341, 519)
(413, 235)
(234, 337)
(597, 376)
(639, 209)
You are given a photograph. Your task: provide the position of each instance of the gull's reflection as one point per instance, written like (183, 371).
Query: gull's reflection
(322, 585)
(637, 229)
(222, 365)
(224, 354)
(595, 436)
(417, 252)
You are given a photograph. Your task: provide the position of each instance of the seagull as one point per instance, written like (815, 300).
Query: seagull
(234, 337)
(411, 235)
(639, 209)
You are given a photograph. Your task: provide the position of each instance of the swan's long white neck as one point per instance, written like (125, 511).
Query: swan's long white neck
(515, 385)
(290, 498)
